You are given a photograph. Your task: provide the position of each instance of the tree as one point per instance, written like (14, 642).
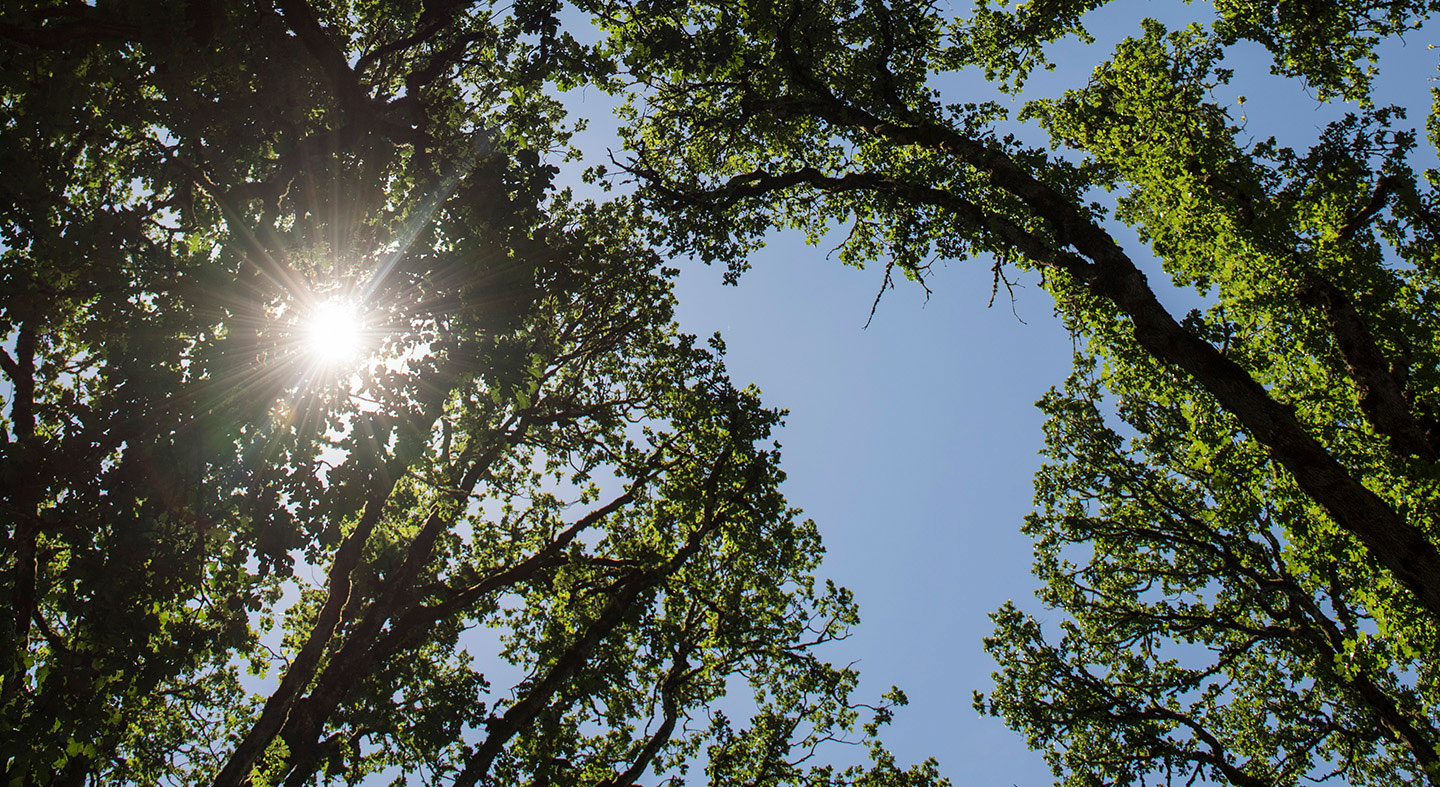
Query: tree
(229, 558)
(1250, 565)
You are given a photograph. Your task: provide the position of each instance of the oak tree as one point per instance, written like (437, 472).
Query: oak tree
(339, 442)
(1240, 520)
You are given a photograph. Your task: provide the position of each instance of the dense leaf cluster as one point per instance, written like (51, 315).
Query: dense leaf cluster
(1239, 521)
(531, 535)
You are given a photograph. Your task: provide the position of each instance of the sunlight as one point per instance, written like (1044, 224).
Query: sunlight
(334, 332)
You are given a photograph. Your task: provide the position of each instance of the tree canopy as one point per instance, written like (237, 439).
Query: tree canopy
(230, 558)
(1239, 517)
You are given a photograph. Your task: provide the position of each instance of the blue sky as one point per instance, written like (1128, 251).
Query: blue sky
(912, 442)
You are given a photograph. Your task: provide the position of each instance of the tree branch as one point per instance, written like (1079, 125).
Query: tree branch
(1381, 399)
(362, 650)
(625, 594)
(1395, 543)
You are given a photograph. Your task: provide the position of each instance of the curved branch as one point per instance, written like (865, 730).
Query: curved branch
(1404, 549)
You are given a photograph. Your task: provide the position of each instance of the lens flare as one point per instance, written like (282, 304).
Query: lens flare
(334, 332)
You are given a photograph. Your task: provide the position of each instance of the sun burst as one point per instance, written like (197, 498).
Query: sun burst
(334, 332)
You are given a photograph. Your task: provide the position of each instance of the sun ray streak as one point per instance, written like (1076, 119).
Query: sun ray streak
(482, 145)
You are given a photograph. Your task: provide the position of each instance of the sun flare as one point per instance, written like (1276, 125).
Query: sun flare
(334, 332)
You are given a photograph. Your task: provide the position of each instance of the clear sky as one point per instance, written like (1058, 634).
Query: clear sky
(912, 443)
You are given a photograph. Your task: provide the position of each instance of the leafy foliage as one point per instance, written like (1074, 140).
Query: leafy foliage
(1238, 521)
(1243, 543)
(227, 560)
